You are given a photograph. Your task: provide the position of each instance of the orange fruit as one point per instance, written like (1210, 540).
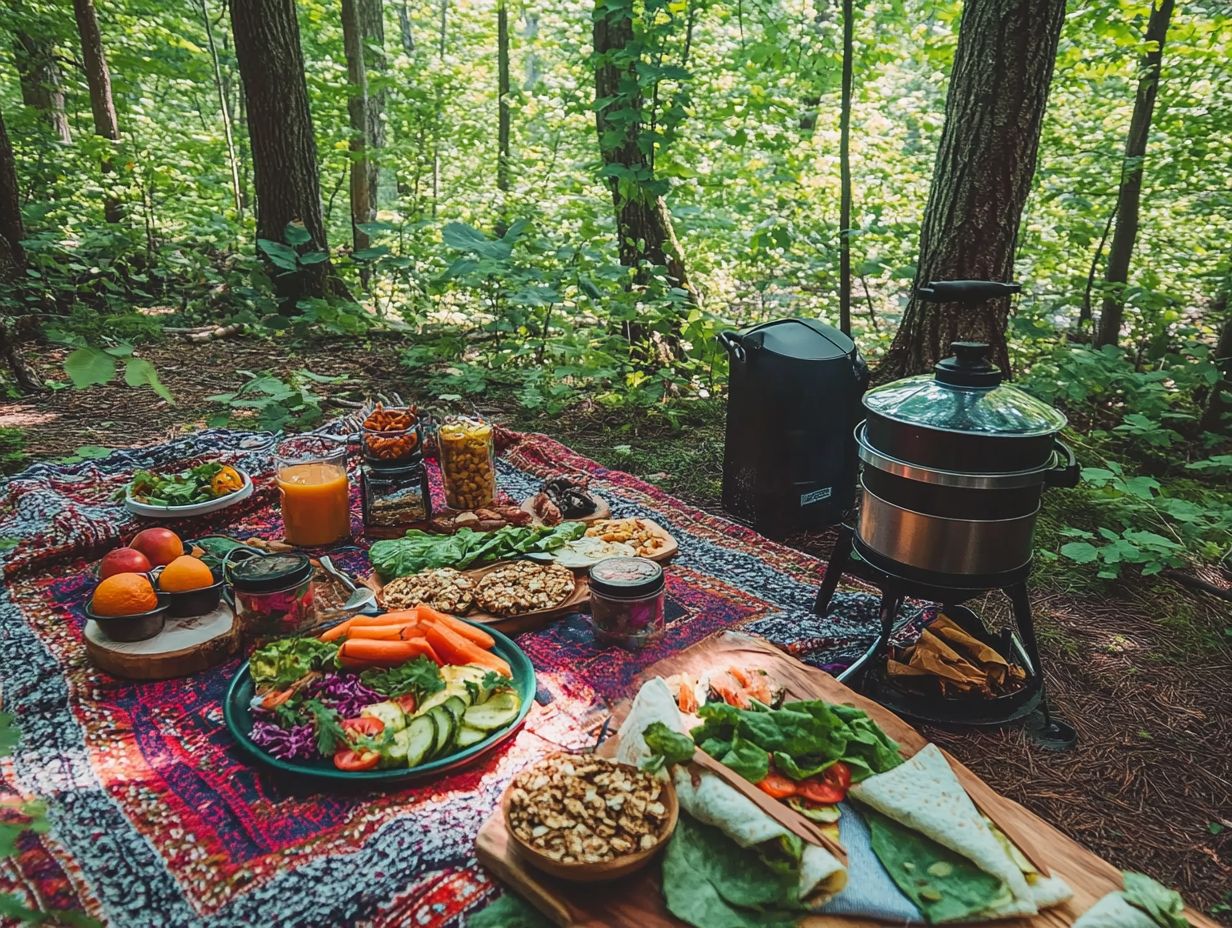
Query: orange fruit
(183, 574)
(124, 594)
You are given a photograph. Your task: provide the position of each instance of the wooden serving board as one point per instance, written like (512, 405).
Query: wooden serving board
(667, 553)
(184, 646)
(637, 902)
(516, 624)
(602, 510)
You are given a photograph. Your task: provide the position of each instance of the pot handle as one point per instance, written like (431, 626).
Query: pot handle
(1065, 474)
(732, 342)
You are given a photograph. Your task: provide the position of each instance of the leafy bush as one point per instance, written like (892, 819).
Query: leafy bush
(267, 402)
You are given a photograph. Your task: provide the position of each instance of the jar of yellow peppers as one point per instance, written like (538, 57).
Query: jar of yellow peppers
(468, 468)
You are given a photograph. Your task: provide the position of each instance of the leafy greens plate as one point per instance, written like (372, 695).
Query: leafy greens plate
(153, 511)
(238, 713)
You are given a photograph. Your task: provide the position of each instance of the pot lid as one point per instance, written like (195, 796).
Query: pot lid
(802, 339)
(965, 394)
(265, 573)
(626, 577)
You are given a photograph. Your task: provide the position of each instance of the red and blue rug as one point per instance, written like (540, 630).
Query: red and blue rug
(156, 819)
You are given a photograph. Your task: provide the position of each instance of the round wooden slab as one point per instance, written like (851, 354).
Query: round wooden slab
(604, 511)
(183, 647)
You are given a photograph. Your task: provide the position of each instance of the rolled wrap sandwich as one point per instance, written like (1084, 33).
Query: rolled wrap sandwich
(1143, 903)
(707, 799)
(943, 854)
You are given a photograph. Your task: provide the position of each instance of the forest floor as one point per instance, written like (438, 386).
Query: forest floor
(1141, 668)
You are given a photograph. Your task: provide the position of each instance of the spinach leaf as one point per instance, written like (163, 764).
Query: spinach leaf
(417, 551)
(746, 759)
(669, 747)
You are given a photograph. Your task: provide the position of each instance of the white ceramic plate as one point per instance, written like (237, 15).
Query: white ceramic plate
(137, 507)
(584, 552)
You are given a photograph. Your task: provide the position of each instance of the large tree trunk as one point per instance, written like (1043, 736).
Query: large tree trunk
(502, 105)
(102, 103)
(284, 152)
(1218, 405)
(376, 64)
(1116, 276)
(985, 162)
(12, 265)
(404, 29)
(357, 110)
(844, 170)
(41, 88)
(643, 223)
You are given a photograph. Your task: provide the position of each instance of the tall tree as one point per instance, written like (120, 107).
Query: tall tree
(844, 170)
(1116, 275)
(12, 263)
(41, 87)
(284, 152)
(224, 109)
(405, 31)
(993, 114)
(102, 103)
(1219, 404)
(502, 104)
(643, 223)
(376, 66)
(357, 111)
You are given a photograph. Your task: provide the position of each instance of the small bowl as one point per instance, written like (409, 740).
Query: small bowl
(393, 446)
(604, 870)
(137, 627)
(186, 603)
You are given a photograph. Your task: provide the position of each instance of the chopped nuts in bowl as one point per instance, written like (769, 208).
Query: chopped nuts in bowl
(587, 819)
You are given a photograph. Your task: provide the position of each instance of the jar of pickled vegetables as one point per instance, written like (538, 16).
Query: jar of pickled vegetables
(468, 465)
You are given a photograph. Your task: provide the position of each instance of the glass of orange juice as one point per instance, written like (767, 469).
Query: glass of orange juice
(316, 499)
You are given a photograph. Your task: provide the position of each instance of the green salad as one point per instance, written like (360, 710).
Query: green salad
(198, 484)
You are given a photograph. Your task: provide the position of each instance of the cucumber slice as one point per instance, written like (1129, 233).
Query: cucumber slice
(497, 712)
(446, 728)
(394, 753)
(468, 736)
(420, 737)
(457, 707)
(440, 697)
(389, 713)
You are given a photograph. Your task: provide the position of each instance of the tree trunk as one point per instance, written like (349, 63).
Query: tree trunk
(102, 104)
(844, 170)
(404, 27)
(376, 64)
(985, 162)
(357, 110)
(1217, 405)
(12, 255)
(283, 147)
(1116, 276)
(41, 88)
(502, 96)
(643, 223)
(224, 109)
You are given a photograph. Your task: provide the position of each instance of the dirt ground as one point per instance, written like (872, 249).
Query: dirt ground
(1143, 671)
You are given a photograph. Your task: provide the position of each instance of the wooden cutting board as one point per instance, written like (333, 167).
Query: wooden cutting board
(184, 646)
(637, 901)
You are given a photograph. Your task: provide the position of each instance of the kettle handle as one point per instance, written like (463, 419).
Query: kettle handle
(732, 342)
(1066, 473)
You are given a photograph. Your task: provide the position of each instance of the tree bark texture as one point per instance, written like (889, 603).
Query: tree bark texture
(985, 162)
(844, 170)
(357, 111)
(643, 222)
(284, 153)
(1218, 406)
(376, 65)
(41, 87)
(1116, 275)
(12, 255)
(502, 96)
(102, 103)
(404, 28)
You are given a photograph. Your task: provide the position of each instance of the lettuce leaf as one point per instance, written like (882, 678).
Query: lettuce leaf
(1165, 906)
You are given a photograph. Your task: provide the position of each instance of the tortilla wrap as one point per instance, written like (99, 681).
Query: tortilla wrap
(923, 794)
(708, 799)
(1113, 911)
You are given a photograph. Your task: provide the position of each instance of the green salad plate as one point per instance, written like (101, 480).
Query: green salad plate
(237, 708)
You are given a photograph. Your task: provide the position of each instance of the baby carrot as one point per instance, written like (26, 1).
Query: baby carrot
(337, 631)
(387, 653)
(401, 617)
(454, 649)
(383, 632)
(468, 631)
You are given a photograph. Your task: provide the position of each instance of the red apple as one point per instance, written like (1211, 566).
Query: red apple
(122, 561)
(160, 545)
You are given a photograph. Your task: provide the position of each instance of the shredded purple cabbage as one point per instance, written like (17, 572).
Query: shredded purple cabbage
(285, 743)
(345, 693)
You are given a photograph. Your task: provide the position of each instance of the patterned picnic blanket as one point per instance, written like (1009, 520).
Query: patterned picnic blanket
(155, 816)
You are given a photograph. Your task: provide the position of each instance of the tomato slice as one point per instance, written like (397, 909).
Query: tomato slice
(354, 761)
(406, 703)
(821, 792)
(364, 726)
(838, 774)
(778, 786)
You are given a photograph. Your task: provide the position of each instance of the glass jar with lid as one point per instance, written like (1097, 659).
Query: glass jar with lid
(627, 601)
(394, 498)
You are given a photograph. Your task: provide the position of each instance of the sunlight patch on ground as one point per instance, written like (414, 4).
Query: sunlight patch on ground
(24, 416)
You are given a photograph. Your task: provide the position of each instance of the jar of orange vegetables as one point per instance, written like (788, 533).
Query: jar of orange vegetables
(468, 465)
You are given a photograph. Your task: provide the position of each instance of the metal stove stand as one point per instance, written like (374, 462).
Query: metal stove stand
(897, 582)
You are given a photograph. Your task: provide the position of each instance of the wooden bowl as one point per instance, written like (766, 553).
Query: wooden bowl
(604, 870)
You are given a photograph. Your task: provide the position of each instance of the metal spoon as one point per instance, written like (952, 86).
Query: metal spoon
(361, 596)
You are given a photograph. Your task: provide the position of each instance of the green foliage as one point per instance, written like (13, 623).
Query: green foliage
(12, 449)
(267, 402)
